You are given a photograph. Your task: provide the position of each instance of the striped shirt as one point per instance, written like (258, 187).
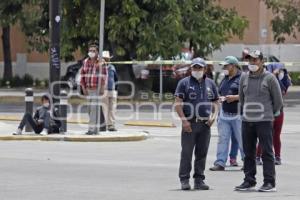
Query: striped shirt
(90, 74)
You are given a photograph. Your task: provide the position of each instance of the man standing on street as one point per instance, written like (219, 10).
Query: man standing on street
(229, 121)
(89, 84)
(261, 101)
(196, 104)
(111, 94)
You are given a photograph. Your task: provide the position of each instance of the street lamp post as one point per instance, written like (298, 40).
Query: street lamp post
(54, 26)
(101, 42)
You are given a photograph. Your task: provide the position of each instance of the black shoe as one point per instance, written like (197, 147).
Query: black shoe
(245, 186)
(200, 185)
(277, 160)
(102, 129)
(267, 187)
(90, 133)
(258, 161)
(185, 185)
(217, 168)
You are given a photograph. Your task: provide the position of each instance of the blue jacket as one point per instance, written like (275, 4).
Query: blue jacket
(112, 78)
(285, 82)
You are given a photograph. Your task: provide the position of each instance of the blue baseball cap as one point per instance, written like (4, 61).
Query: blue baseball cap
(198, 61)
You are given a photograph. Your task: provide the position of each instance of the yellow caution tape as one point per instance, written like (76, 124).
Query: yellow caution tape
(177, 62)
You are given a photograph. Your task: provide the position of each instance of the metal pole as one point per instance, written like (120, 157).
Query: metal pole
(28, 106)
(54, 25)
(63, 108)
(101, 41)
(160, 84)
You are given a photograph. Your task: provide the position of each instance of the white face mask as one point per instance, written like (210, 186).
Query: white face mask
(197, 74)
(225, 72)
(46, 105)
(253, 68)
(281, 76)
(91, 54)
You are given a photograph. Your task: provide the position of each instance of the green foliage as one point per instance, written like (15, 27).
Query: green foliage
(136, 28)
(10, 12)
(295, 76)
(27, 80)
(286, 21)
(16, 81)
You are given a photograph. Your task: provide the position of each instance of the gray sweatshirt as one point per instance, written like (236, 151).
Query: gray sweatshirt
(260, 97)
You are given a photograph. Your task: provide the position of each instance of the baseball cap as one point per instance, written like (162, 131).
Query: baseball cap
(106, 54)
(198, 61)
(230, 60)
(256, 54)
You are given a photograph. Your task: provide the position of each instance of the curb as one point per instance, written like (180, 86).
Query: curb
(12, 118)
(76, 138)
(150, 123)
(129, 123)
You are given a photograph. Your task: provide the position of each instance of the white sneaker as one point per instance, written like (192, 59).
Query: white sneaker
(18, 132)
(44, 132)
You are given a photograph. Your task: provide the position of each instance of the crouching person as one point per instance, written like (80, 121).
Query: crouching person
(44, 120)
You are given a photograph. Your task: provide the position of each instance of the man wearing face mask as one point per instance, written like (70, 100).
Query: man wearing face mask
(89, 84)
(43, 122)
(229, 122)
(111, 94)
(261, 101)
(196, 105)
(284, 81)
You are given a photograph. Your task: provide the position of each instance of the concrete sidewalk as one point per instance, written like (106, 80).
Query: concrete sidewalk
(76, 133)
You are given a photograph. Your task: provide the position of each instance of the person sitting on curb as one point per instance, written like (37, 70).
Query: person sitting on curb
(43, 122)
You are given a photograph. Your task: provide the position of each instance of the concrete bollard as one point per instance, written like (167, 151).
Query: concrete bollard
(28, 105)
(63, 109)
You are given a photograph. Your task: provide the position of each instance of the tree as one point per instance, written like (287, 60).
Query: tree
(137, 28)
(208, 26)
(286, 21)
(10, 12)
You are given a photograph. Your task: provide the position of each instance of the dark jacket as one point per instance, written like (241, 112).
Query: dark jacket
(41, 112)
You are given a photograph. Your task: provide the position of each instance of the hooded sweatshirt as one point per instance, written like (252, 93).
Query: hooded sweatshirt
(260, 97)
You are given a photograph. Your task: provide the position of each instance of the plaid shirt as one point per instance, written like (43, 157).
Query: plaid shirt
(90, 74)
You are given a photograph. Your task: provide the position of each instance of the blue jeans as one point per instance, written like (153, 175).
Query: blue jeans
(228, 125)
(234, 147)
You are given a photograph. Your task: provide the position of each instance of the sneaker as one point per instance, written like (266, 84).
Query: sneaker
(200, 185)
(258, 161)
(277, 160)
(44, 132)
(185, 185)
(217, 168)
(18, 132)
(233, 162)
(112, 128)
(245, 186)
(267, 187)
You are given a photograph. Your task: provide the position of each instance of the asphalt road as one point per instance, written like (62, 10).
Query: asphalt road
(132, 170)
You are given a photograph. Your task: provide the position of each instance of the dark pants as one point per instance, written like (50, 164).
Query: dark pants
(37, 128)
(263, 131)
(32, 122)
(199, 140)
(277, 127)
